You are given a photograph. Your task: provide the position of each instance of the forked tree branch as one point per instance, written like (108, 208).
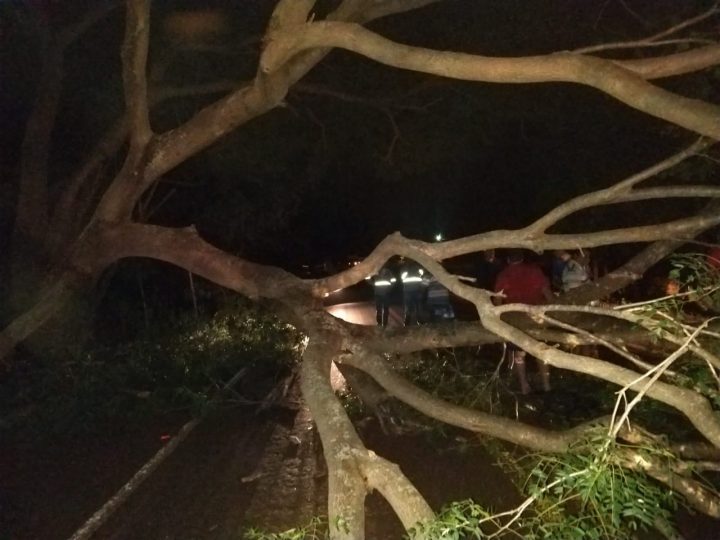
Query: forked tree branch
(526, 435)
(396, 244)
(33, 208)
(672, 65)
(611, 194)
(693, 405)
(134, 57)
(352, 468)
(500, 427)
(221, 117)
(613, 78)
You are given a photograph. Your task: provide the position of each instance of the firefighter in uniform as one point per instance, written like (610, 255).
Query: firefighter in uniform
(411, 275)
(383, 282)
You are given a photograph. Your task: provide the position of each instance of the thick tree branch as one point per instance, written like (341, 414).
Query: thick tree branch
(697, 494)
(134, 57)
(396, 244)
(610, 195)
(218, 119)
(377, 10)
(97, 12)
(674, 64)
(32, 209)
(48, 303)
(632, 270)
(185, 248)
(31, 213)
(693, 405)
(612, 78)
(352, 469)
(72, 207)
(477, 421)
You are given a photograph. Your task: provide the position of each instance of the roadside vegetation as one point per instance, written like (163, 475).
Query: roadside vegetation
(176, 364)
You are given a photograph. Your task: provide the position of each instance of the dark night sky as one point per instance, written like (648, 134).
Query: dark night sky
(312, 179)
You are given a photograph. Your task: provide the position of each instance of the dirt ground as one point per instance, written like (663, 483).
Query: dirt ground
(237, 469)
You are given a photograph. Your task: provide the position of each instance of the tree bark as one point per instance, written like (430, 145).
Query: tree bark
(613, 78)
(352, 469)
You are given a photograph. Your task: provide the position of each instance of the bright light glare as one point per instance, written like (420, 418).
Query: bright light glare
(354, 313)
(438, 237)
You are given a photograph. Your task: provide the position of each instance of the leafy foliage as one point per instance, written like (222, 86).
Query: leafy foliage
(695, 274)
(589, 495)
(583, 494)
(693, 298)
(692, 293)
(315, 530)
(177, 365)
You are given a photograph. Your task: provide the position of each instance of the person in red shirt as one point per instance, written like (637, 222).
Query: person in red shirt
(713, 254)
(525, 283)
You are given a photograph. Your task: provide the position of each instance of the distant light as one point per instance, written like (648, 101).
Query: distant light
(438, 237)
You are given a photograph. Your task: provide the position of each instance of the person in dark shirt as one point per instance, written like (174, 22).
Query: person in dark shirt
(524, 283)
(414, 286)
(438, 301)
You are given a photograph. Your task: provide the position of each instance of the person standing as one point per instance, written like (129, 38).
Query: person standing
(525, 283)
(411, 275)
(557, 267)
(713, 254)
(438, 301)
(383, 282)
(576, 270)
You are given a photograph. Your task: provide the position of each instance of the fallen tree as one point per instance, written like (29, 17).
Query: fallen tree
(80, 244)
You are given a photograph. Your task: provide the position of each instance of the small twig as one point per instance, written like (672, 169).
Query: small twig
(605, 343)
(656, 372)
(396, 136)
(641, 44)
(632, 306)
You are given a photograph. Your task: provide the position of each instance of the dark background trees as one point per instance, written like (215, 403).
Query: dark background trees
(356, 143)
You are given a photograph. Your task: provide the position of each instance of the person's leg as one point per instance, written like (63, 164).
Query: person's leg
(379, 310)
(413, 305)
(544, 370)
(518, 363)
(418, 307)
(432, 312)
(385, 310)
(407, 306)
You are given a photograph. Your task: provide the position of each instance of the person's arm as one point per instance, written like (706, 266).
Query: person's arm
(548, 294)
(545, 287)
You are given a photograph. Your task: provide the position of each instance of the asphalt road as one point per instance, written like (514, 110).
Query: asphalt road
(356, 305)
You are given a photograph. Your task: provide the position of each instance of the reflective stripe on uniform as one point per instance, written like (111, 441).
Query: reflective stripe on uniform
(412, 279)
